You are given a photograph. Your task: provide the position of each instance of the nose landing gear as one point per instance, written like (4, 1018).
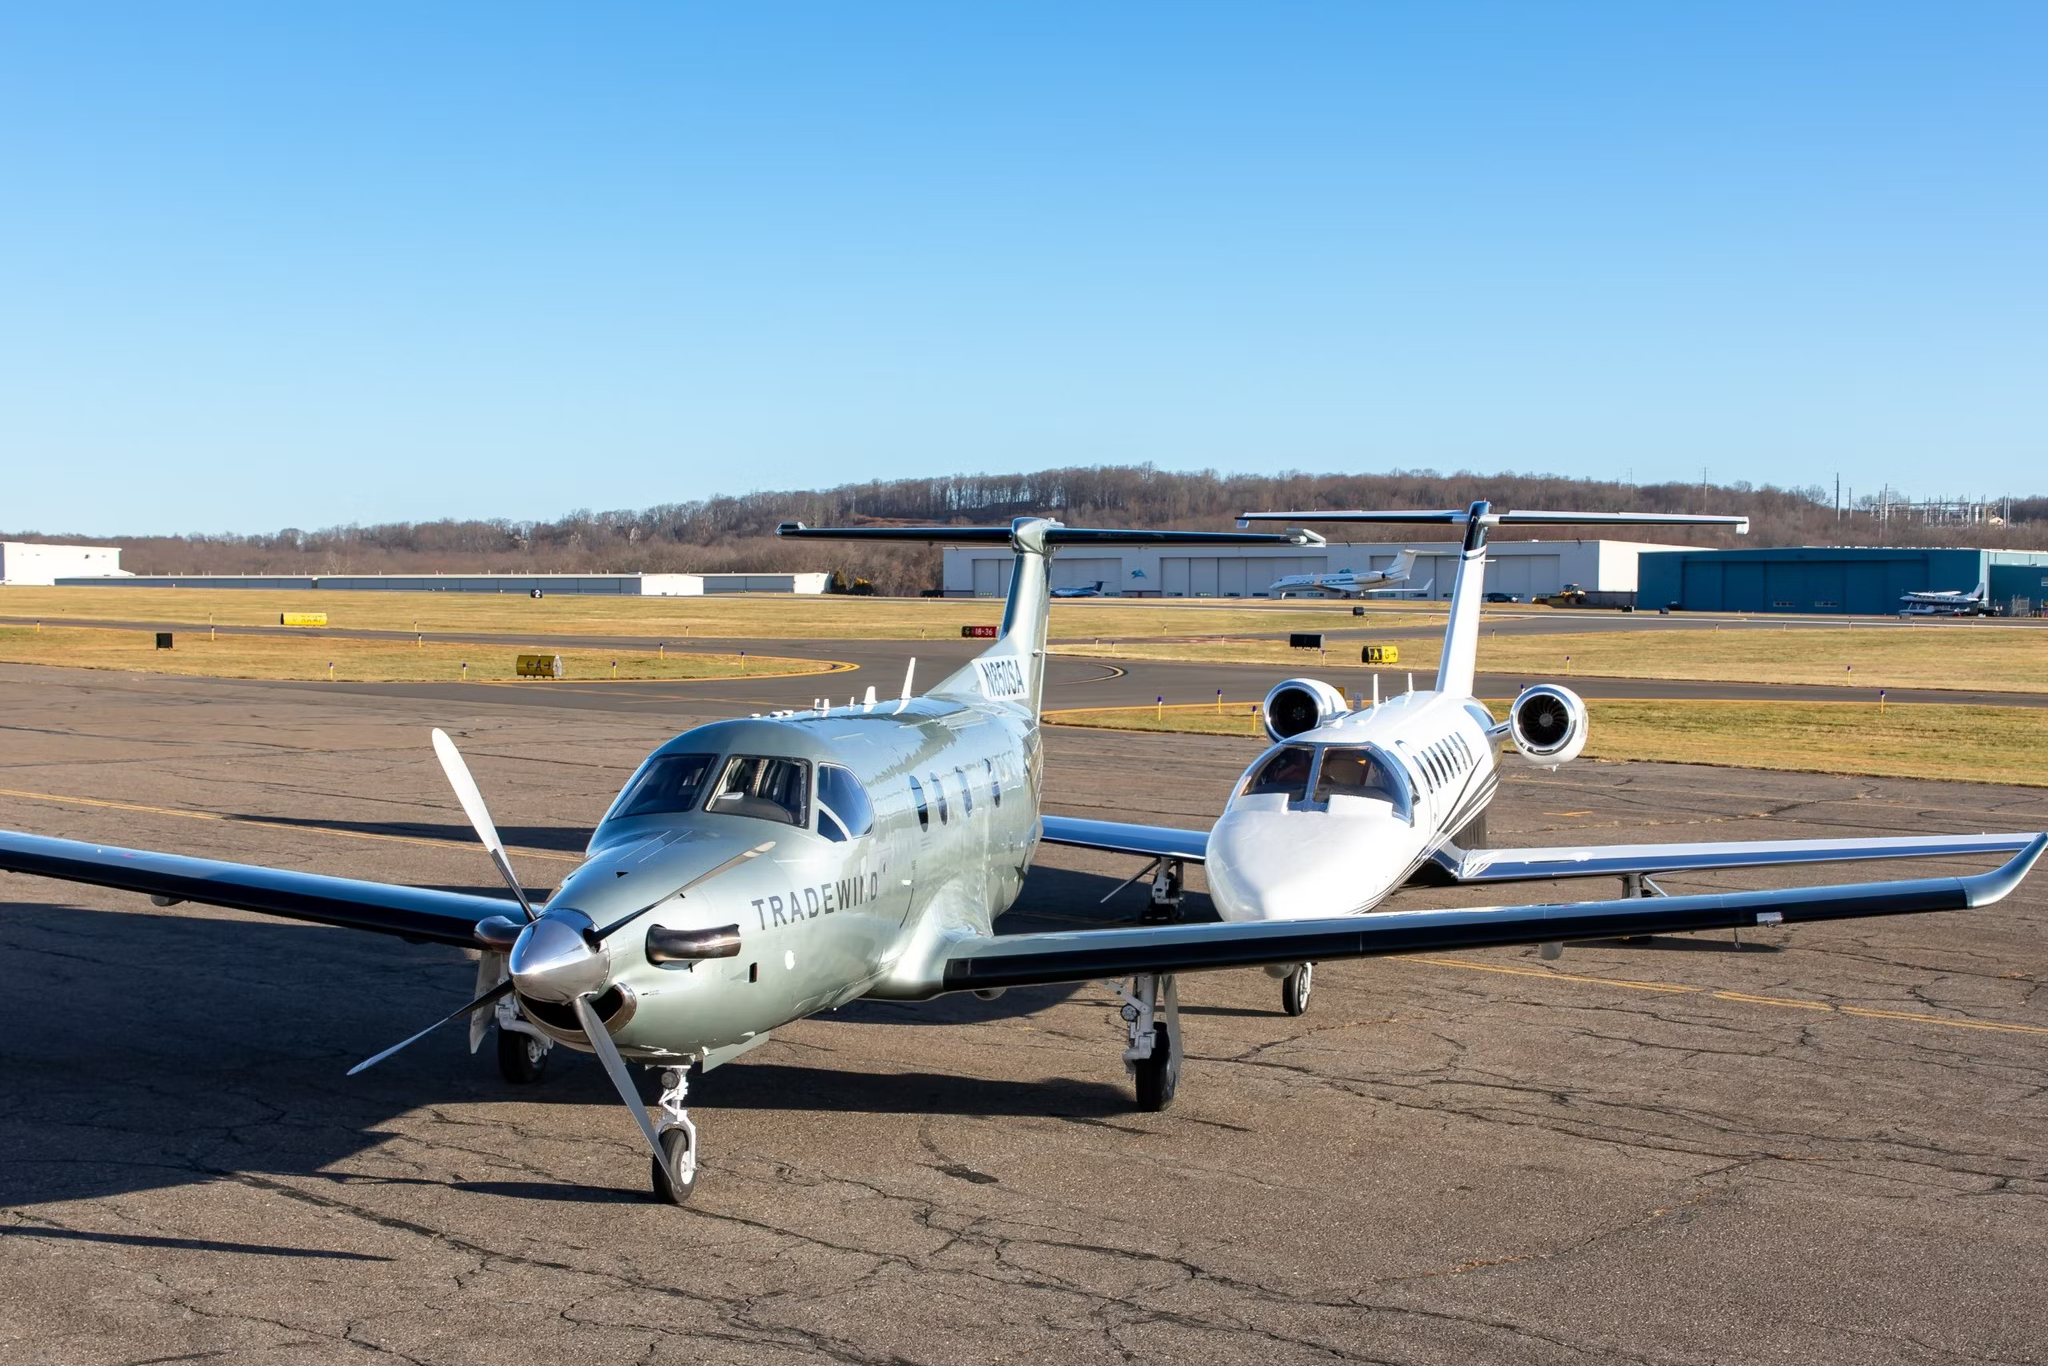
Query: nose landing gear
(675, 1171)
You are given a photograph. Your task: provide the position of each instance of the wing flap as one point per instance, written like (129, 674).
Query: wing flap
(1115, 837)
(1069, 956)
(387, 908)
(1471, 866)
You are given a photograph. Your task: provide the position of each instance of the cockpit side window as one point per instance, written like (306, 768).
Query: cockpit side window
(765, 787)
(844, 811)
(667, 784)
(1284, 771)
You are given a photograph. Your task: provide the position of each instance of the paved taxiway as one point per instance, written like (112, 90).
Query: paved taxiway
(1828, 1145)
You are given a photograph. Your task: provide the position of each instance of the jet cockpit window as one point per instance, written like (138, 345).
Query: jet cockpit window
(844, 811)
(1361, 771)
(1284, 771)
(666, 784)
(768, 788)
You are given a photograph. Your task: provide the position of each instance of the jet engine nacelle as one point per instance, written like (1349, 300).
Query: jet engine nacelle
(1300, 704)
(1548, 725)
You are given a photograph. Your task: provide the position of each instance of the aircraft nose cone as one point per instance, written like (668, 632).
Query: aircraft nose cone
(553, 962)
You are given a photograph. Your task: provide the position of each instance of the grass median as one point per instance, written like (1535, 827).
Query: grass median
(1986, 657)
(1962, 744)
(363, 661)
(720, 616)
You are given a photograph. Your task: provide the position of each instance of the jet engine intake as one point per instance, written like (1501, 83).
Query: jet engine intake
(1300, 704)
(1548, 725)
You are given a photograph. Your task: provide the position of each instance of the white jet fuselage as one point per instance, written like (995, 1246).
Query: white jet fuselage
(1330, 821)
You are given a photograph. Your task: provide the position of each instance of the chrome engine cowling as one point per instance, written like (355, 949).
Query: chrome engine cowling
(1548, 725)
(1300, 704)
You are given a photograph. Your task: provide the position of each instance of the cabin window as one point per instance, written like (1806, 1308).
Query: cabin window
(666, 784)
(966, 793)
(995, 783)
(939, 796)
(764, 787)
(844, 811)
(1284, 771)
(924, 815)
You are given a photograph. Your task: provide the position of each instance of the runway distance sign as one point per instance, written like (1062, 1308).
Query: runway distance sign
(301, 618)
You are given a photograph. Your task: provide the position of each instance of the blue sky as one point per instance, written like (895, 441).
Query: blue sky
(269, 265)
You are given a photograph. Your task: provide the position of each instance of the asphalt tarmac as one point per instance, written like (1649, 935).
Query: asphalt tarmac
(1825, 1144)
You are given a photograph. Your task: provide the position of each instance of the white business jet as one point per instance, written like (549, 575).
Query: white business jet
(1353, 804)
(1351, 583)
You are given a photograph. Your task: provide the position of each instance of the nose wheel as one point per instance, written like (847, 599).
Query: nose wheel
(675, 1171)
(1295, 988)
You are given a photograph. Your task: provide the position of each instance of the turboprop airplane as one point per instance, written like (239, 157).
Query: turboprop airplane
(755, 871)
(1953, 602)
(1350, 583)
(1355, 803)
(1091, 590)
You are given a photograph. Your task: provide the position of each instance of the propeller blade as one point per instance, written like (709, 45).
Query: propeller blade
(472, 799)
(599, 936)
(493, 994)
(615, 1068)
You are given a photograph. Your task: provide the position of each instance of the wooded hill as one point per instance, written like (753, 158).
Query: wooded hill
(737, 533)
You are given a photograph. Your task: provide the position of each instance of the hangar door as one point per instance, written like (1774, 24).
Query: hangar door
(1435, 575)
(1528, 575)
(1214, 576)
(992, 577)
(1080, 573)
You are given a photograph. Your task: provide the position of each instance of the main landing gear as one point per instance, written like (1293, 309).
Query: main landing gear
(1295, 987)
(1166, 894)
(1152, 1014)
(522, 1049)
(675, 1171)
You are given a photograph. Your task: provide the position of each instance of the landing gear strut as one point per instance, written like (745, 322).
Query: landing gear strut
(1166, 894)
(675, 1171)
(522, 1049)
(1152, 1014)
(1295, 987)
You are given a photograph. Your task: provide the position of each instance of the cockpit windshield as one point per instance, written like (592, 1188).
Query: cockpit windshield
(1357, 771)
(668, 783)
(1285, 771)
(769, 788)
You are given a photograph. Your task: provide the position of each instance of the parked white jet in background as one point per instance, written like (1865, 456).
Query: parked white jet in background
(1953, 602)
(1354, 803)
(1351, 583)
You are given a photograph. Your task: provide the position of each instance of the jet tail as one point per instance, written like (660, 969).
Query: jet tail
(1459, 667)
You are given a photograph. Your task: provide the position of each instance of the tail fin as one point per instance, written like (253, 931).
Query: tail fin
(1013, 669)
(1461, 637)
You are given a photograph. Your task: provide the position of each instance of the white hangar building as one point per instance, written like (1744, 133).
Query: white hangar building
(1525, 567)
(29, 562)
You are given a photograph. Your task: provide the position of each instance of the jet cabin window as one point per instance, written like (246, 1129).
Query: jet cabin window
(924, 813)
(844, 811)
(1285, 771)
(768, 789)
(667, 784)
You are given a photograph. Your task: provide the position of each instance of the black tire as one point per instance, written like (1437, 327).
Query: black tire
(675, 1176)
(1159, 1075)
(1295, 989)
(522, 1059)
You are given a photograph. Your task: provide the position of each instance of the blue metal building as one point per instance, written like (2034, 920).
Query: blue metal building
(1849, 580)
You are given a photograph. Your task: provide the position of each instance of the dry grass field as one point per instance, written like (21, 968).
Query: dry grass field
(354, 661)
(1962, 744)
(761, 617)
(1986, 657)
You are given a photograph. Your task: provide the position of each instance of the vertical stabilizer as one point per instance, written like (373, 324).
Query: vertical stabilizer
(1455, 673)
(1013, 669)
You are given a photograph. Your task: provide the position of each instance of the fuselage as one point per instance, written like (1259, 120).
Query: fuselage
(894, 832)
(1330, 821)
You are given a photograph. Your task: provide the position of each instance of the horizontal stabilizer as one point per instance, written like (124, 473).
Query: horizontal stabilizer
(1459, 516)
(1054, 535)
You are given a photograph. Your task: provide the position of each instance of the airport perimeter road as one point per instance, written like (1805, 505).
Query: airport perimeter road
(1827, 1145)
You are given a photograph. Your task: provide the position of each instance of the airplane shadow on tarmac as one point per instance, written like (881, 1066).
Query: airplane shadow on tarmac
(146, 1048)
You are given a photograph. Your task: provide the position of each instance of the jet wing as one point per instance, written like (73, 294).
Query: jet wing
(1472, 866)
(1146, 841)
(420, 913)
(1073, 956)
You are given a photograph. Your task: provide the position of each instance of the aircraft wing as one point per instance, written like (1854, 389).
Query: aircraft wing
(1146, 841)
(1612, 860)
(420, 913)
(1074, 956)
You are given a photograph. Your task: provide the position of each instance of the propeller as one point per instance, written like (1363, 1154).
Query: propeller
(615, 1068)
(467, 793)
(493, 994)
